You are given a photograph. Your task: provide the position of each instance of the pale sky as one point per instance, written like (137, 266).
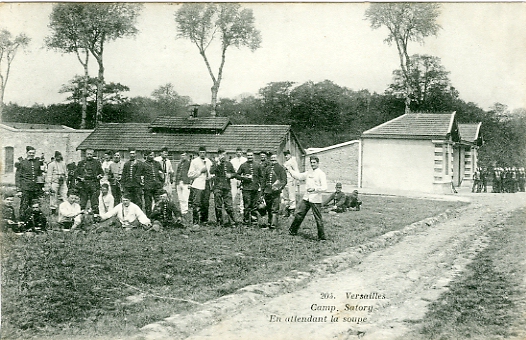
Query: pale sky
(483, 45)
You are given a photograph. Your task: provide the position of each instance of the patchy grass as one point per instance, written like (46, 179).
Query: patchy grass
(60, 285)
(484, 303)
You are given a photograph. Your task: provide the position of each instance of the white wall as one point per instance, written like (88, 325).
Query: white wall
(398, 164)
(44, 141)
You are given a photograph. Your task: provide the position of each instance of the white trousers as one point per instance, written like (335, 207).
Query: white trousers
(60, 192)
(236, 191)
(183, 192)
(289, 194)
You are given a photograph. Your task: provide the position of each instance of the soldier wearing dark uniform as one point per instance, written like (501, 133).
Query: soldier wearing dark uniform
(222, 172)
(27, 172)
(132, 179)
(483, 179)
(153, 181)
(250, 174)
(165, 213)
(353, 202)
(89, 172)
(33, 217)
(337, 200)
(522, 179)
(476, 181)
(497, 180)
(274, 179)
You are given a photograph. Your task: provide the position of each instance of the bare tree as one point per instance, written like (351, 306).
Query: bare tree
(200, 23)
(8, 48)
(406, 22)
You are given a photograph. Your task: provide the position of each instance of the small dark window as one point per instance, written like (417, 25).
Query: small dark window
(9, 159)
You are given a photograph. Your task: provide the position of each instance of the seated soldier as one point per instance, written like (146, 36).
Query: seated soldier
(106, 200)
(9, 220)
(125, 214)
(69, 212)
(165, 213)
(336, 201)
(353, 201)
(33, 217)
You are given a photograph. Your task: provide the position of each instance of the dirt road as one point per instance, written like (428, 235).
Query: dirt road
(378, 298)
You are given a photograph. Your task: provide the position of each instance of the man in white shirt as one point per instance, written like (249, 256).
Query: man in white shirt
(106, 201)
(56, 181)
(168, 172)
(69, 212)
(199, 172)
(289, 192)
(127, 214)
(235, 183)
(316, 184)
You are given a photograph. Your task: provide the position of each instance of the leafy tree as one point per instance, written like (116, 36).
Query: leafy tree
(276, 102)
(169, 101)
(68, 27)
(432, 88)
(200, 23)
(406, 22)
(9, 45)
(95, 24)
(79, 92)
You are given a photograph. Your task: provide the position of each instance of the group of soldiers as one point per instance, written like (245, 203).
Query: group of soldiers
(140, 192)
(503, 180)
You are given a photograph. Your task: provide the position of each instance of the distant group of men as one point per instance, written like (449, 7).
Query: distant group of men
(139, 193)
(503, 180)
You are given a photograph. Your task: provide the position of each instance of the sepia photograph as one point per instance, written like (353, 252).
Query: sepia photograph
(256, 170)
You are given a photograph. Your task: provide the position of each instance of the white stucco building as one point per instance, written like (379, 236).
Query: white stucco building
(414, 152)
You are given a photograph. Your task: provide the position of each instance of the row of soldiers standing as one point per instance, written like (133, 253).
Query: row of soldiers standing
(504, 180)
(141, 181)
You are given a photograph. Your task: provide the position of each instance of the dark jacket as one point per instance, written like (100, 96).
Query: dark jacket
(274, 178)
(336, 198)
(220, 170)
(26, 174)
(33, 219)
(89, 170)
(153, 175)
(165, 212)
(250, 168)
(182, 172)
(132, 173)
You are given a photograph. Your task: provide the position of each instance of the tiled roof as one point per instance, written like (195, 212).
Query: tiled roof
(469, 132)
(29, 126)
(191, 124)
(415, 125)
(121, 136)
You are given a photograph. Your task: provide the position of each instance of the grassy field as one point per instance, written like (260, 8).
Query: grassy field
(484, 303)
(110, 283)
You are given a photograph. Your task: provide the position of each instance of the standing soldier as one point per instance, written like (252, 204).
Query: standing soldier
(235, 184)
(316, 184)
(89, 172)
(497, 180)
(289, 192)
(56, 181)
(274, 180)
(222, 172)
(199, 173)
(476, 181)
(522, 179)
(183, 182)
(483, 179)
(263, 161)
(250, 174)
(168, 172)
(27, 172)
(115, 177)
(132, 179)
(153, 181)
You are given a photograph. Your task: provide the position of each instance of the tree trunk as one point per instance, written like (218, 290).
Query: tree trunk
(215, 90)
(100, 85)
(2, 104)
(84, 97)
